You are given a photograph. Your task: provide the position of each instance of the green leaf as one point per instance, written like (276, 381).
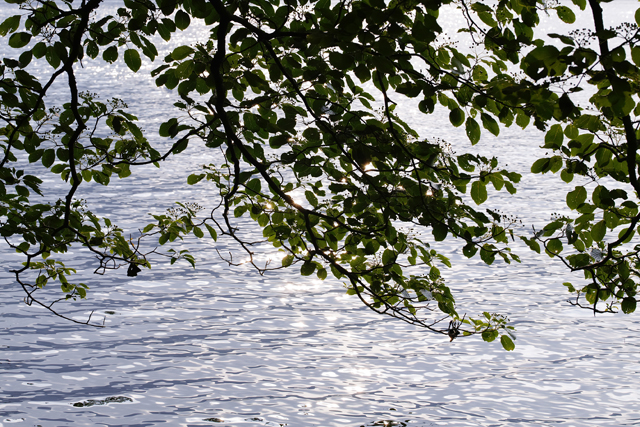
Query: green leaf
(132, 59)
(479, 192)
(554, 246)
(198, 232)
(287, 260)
(340, 60)
(555, 164)
(212, 232)
(489, 335)
(566, 176)
(598, 231)
(163, 239)
(490, 124)
(628, 305)
(507, 343)
(479, 74)
(554, 137)
(589, 122)
(9, 25)
(311, 198)
(307, 268)
(168, 128)
(23, 247)
(469, 250)
(48, 157)
(263, 220)
(18, 40)
(182, 20)
(487, 18)
(92, 49)
(181, 52)
(576, 197)
(39, 50)
(566, 14)
(164, 32)
(540, 165)
(582, 4)
(440, 231)
(532, 243)
(628, 238)
(22, 191)
(635, 55)
(388, 257)
(52, 57)
(110, 54)
(473, 131)
(522, 119)
(184, 70)
(571, 132)
(194, 179)
(456, 117)
(254, 186)
(611, 219)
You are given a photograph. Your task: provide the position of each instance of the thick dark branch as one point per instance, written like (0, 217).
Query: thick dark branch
(596, 11)
(74, 54)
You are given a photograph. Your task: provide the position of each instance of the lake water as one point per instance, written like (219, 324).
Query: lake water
(224, 346)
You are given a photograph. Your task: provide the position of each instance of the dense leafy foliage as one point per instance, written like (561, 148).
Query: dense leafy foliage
(300, 98)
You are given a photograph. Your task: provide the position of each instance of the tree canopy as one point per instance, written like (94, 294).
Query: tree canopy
(300, 96)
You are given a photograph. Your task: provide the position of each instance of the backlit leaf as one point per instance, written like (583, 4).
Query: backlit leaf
(566, 14)
(132, 59)
(598, 231)
(456, 117)
(490, 124)
(479, 192)
(182, 20)
(473, 131)
(181, 52)
(507, 343)
(18, 40)
(576, 197)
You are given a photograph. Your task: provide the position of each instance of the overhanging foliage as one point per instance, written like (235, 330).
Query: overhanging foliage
(299, 97)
